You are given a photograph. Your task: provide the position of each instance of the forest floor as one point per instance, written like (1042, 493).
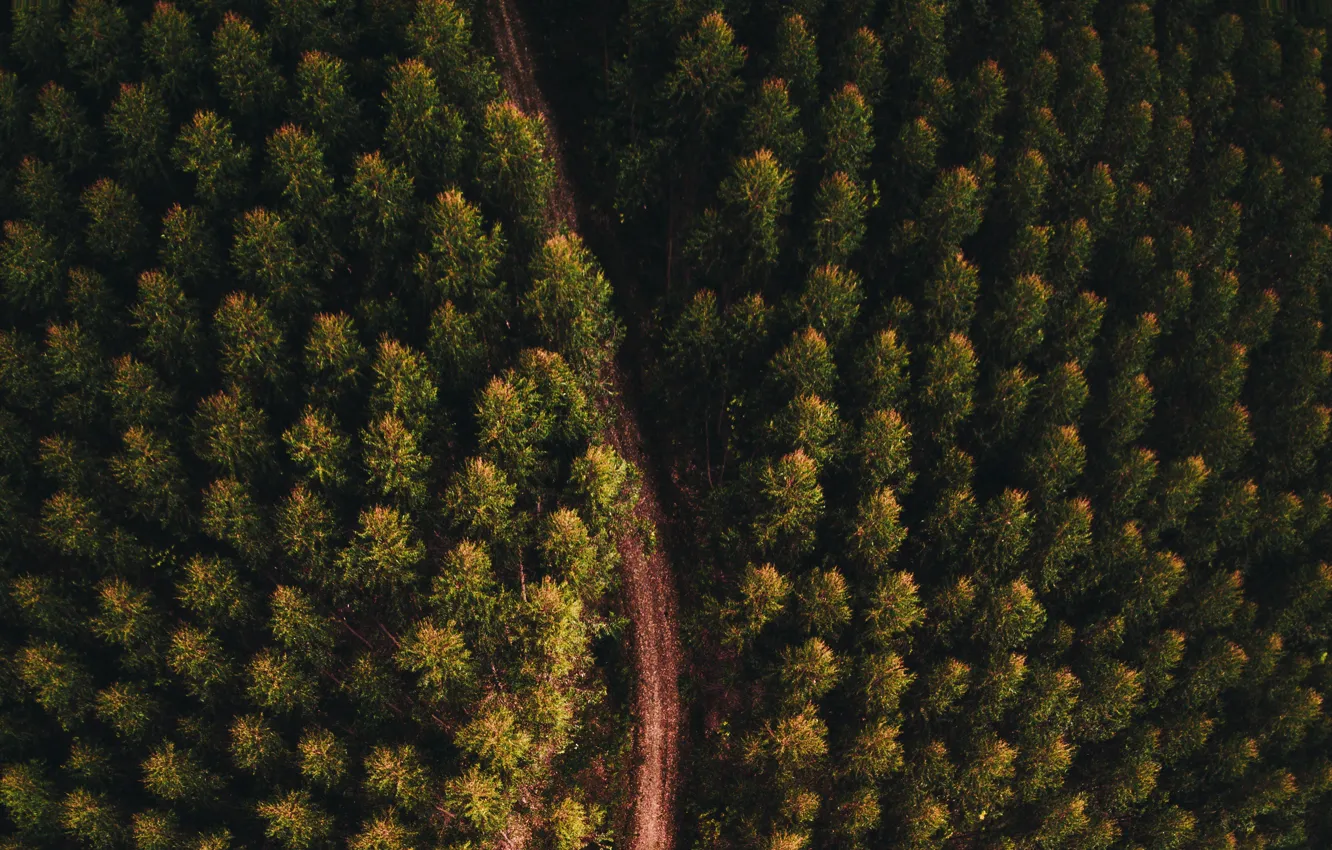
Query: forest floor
(648, 580)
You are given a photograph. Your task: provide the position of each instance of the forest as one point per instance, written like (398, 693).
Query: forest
(665, 425)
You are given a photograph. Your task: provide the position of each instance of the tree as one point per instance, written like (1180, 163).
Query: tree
(382, 207)
(830, 301)
(804, 366)
(45, 198)
(97, 41)
(319, 448)
(35, 29)
(251, 343)
(772, 122)
(155, 830)
(334, 357)
(789, 502)
(212, 590)
(92, 819)
(246, 73)
(296, 169)
(295, 821)
(796, 59)
(808, 671)
(266, 254)
(32, 268)
(231, 515)
(948, 389)
(1017, 325)
(138, 126)
(173, 52)
(72, 525)
(755, 196)
(63, 125)
(705, 78)
(207, 149)
(29, 799)
(763, 593)
(950, 297)
(513, 167)
(511, 428)
(808, 424)
(441, 34)
(324, 103)
(953, 209)
(149, 468)
(394, 463)
(280, 684)
(175, 775)
(569, 304)
(439, 658)
(197, 656)
(323, 758)
(255, 745)
(463, 258)
(58, 681)
(481, 501)
(882, 376)
(840, 207)
(481, 800)
(398, 775)
(300, 628)
(77, 369)
(232, 434)
(894, 610)
(1109, 701)
(425, 134)
(1010, 618)
(188, 249)
(497, 739)
(848, 133)
(384, 832)
(383, 554)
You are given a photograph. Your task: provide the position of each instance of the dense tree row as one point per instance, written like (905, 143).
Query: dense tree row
(306, 522)
(993, 352)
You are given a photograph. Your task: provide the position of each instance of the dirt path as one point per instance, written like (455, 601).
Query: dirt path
(649, 587)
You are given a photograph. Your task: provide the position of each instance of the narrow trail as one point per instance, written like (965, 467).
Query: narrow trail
(648, 581)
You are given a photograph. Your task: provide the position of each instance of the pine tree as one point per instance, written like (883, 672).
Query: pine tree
(383, 553)
(173, 53)
(323, 758)
(463, 258)
(244, 67)
(440, 33)
(569, 304)
(324, 104)
(97, 42)
(32, 268)
(294, 821)
(848, 137)
(207, 149)
(138, 126)
(772, 122)
(705, 78)
(796, 60)
(513, 165)
(424, 133)
(265, 253)
(150, 470)
(755, 196)
(63, 125)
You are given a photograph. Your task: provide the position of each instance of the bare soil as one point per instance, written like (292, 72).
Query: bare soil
(648, 580)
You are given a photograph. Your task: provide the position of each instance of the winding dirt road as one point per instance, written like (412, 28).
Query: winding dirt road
(649, 587)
